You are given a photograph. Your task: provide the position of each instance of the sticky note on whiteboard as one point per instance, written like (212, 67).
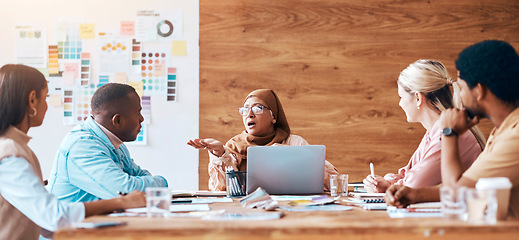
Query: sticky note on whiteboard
(179, 48)
(54, 100)
(139, 87)
(86, 31)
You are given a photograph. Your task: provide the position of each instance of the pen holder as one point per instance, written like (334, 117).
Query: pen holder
(236, 183)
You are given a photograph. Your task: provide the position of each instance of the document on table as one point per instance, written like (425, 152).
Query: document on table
(293, 197)
(176, 208)
(413, 212)
(244, 216)
(311, 208)
(180, 193)
(211, 200)
(201, 200)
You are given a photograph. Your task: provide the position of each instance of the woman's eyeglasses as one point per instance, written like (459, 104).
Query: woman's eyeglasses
(256, 109)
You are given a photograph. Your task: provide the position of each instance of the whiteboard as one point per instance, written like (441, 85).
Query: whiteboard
(172, 123)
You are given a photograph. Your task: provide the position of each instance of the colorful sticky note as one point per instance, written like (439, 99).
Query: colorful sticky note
(120, 77)
(54, 100)
(86, 31)
(159, 69)
(68, 78)
(72, 67)
(178, 48)
(139, 87)
(44, 71)
(127, 28)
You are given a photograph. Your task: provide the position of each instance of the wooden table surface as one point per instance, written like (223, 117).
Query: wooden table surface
(353, 224)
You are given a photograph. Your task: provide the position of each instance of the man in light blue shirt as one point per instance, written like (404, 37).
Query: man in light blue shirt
(92, 161)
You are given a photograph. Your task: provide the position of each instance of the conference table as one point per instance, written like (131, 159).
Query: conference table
(356, 223)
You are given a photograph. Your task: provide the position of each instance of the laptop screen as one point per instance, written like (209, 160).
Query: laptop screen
(286, 169)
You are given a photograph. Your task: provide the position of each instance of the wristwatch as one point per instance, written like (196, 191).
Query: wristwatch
(449, 132)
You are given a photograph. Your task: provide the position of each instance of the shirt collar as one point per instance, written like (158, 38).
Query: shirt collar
(113, 139)
(510, 122)
(434, 132)
(17, 135)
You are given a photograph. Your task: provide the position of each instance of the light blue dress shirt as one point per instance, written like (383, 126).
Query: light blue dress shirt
(88, 167)
(24, 190)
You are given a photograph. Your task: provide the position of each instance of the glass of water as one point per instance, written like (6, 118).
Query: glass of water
(158, 200)
(334, 185)
(343, 182)
(453, 202)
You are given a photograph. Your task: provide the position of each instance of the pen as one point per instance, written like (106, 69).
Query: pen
(181, 201)
(372, 169)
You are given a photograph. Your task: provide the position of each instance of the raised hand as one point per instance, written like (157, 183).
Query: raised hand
(212, 145)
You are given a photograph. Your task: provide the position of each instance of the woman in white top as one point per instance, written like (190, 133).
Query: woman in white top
(265, 124)
(26, 208)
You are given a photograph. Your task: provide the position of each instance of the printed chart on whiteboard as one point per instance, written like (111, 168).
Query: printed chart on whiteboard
(161, 25)
(79, 58)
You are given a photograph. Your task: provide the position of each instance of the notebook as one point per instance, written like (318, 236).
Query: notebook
(369, 197)
(286, 169)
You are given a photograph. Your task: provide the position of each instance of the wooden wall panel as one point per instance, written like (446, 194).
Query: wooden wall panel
(334, 65)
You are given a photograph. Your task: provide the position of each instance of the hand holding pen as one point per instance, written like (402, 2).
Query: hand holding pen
(375, 183)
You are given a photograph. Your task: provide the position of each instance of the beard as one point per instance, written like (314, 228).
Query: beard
(471, 113)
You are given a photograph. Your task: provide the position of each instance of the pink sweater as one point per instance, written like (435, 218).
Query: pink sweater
(423, 169)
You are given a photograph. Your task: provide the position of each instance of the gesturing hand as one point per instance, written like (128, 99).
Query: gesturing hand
(212, 145)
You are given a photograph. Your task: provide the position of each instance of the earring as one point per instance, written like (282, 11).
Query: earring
(273, 121)
(418, 107)
(32, 115)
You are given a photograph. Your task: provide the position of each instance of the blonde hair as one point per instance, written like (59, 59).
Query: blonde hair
(430, 77)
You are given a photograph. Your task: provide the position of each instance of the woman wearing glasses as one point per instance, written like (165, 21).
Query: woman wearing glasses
(265, 124)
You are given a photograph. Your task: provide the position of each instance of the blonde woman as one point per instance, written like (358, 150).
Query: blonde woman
(424, 88)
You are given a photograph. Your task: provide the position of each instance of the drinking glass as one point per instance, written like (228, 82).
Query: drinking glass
(453, 202)
(343, 182)
(334, 185)
(158, 200)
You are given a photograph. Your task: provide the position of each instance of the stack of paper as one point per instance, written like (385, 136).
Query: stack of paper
(244, 216)
(413, 212)
(259, 199)
(180, 193)
(319, 200)
(310, 208)
(369, 197)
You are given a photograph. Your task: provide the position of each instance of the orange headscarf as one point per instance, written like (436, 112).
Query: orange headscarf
(238, 144)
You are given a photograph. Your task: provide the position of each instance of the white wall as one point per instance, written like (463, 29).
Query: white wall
(173, 123)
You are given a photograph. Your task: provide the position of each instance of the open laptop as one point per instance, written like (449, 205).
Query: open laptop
(286, 169)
